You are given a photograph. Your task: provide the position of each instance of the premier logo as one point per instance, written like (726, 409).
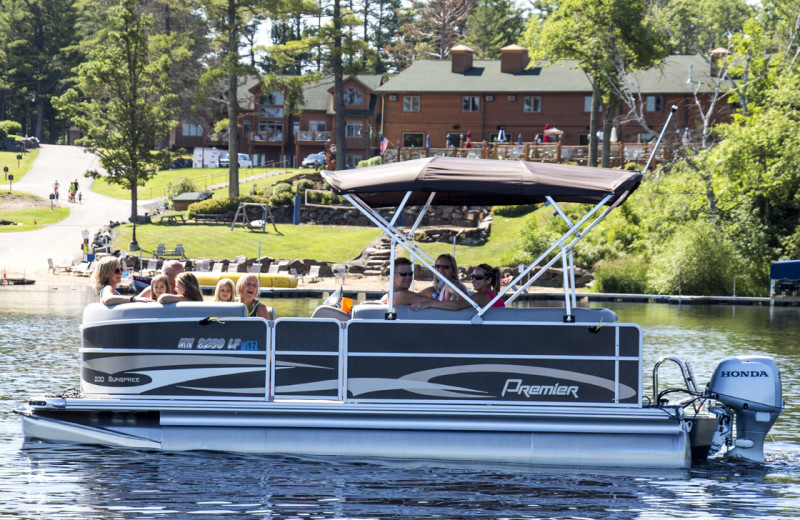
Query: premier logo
(515, 386)
(744, 373)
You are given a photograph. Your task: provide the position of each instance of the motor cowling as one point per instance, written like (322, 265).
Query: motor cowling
(751, 387)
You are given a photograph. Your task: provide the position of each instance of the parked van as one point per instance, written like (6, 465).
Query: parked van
(205, 158)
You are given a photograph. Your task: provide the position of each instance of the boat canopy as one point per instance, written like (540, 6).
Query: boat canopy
(489, 182)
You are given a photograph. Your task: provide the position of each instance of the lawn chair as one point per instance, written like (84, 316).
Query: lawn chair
(202, 265)
(50, 266)
(159, 251)
(255, 268)
(273, 269)
(180, 251)
(293, 272)
(313, 273)
(341, 272)
(217, 267)
(233, 267)
(152, 267)
(65, 264)
(83, 269)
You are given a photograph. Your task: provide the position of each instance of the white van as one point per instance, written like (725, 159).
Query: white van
(244, 161)
(205, 158)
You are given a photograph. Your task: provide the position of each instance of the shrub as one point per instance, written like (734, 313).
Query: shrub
(185, 185)
(707, 260)
(3, 134)
(11, 127)
(513, 211)
(221, 206)
(620, 275)
(283, 198)
(303, 185)
(372, 161)
(281, 187)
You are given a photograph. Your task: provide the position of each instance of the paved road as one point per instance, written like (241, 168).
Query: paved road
(27, 252)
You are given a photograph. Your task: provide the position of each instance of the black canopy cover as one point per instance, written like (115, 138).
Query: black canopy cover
(489, 182)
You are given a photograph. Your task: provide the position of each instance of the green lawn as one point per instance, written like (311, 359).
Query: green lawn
(9, 159)
(202, 178)
(322, 243)
(25, 217)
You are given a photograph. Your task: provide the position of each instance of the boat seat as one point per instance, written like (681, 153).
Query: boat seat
(96, 312)
(530, 314)
(328, 311)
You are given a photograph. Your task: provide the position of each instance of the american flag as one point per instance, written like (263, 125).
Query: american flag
(384, 144)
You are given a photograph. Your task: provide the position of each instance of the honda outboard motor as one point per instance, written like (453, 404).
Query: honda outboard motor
(751, 387)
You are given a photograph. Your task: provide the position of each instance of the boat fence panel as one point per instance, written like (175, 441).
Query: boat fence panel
(223, 358)
(509, 363)
(307, 358)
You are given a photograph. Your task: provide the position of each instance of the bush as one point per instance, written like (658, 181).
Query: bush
(220, 206)
(185, 185)
(707, 260)
(513, 211)
(281, 187)
(621, 275)
(303, 185)
(372, 161)
(11, 127)
(283, 198)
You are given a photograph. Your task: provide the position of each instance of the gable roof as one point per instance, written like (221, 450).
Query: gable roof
(436, 76)
(318, 97)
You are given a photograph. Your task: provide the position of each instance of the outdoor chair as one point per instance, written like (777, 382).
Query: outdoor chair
(152, 267)
(50, 266)
(274, 269)
(180, 251)
(233, 267)
(159, 251)
(217, 267)
(65, 264)
(83, 269)
(202, 265)
(313, 273)
(255, 268)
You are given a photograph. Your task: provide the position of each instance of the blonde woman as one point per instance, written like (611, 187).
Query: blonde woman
(247, 288)
(447, 266)
(187, 287)
(225, 291)
(106, 278)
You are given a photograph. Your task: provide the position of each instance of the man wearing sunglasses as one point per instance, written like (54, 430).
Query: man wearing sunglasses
(403, 276)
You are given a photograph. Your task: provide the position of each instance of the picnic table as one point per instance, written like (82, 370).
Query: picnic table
(172, 219)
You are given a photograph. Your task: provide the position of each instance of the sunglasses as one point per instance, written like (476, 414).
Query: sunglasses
(442, 266)
(117, 270)
(405, 273)
(479, 277)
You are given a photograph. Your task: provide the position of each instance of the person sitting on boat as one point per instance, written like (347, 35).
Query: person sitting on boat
(485, 282)
(248, 288)
(171, 268)
(188, 289)
(447, 266)
(159, 285)
(403, 277)
(106, 278)
(225, 291)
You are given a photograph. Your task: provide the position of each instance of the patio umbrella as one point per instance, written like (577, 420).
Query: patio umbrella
(613, 137)
(553, 131)
(501, 136)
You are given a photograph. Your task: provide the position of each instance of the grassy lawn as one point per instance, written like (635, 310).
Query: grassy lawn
(43, 215)
(202, 178)
(323, 243)
(9, 159)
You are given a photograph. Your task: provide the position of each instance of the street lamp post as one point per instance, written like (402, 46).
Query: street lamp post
(134, 245)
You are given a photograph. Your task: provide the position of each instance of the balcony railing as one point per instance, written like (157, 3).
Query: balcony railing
(311, 136)
(620, 153)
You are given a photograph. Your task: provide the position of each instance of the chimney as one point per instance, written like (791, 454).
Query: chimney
(514, 59)
(461, 57)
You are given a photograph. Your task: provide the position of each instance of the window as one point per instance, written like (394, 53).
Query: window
(351, 161)
(273, 129)
(246, 129)
(410, 103)
(352, 97)
(587, 103)
(470, 103)
(270, 112)
(192, 129)
(295, 127)
(275, 98)
(316, 126)
(532, 104)
(353, 129)
(654, 103)
(392, 97)
(413, 140)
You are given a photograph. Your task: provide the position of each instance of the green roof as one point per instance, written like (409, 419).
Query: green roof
(318, 97)
(436, 76)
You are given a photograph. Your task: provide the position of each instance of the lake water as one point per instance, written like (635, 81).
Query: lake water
(39, 353)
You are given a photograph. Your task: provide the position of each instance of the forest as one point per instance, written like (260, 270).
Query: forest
(712, 220)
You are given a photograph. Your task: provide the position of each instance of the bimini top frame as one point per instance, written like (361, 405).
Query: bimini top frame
(453, 181)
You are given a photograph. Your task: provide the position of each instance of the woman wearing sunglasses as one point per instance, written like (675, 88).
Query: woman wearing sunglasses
(447, 267)
(485, 282)
(106, 278)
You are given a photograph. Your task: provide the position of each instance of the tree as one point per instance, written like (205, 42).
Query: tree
(125, 105)
(598, 34)
(41, 49)
(492, 25)
(430, 29)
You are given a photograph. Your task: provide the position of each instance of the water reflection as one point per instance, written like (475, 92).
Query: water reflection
(39, 347)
